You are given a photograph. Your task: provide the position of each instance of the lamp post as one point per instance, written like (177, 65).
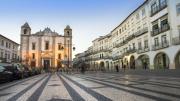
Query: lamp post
(68, 57)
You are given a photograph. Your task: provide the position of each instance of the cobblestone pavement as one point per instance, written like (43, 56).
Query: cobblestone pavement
(92, 87)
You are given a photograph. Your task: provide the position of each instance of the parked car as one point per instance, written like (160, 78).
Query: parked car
(35, 71)
(27, 71)
(18, 71)
(6, 75)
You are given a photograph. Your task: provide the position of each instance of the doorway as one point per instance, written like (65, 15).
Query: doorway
(46, 65)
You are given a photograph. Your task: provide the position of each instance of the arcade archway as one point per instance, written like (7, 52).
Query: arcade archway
(132, 62)
(102, 66)
(161, 61)
(143, 62)
(177, 60)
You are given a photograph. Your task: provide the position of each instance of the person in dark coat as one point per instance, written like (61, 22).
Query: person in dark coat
(145, 65)
(117, 68)
(83, 66)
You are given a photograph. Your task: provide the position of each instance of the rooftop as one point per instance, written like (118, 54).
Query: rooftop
(8, 39)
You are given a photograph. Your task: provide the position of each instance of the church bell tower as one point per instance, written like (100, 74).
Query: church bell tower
(68, 45)
(24, 46)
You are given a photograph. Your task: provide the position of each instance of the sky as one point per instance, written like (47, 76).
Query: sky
(88, 19)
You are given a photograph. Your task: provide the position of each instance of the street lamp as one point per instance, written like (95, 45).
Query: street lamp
(62, 48)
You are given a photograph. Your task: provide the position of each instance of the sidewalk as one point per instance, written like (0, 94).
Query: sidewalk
(163, 72)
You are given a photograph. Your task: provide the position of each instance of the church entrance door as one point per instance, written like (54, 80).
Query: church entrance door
(46, 65)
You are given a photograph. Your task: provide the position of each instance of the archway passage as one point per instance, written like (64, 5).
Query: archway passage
(161, 61)
(143, 62)
(177, 60)
(132, 62)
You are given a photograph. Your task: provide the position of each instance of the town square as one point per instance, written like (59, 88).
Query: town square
(88, 50)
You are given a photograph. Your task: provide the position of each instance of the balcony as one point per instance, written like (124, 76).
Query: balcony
(176, 40)
(98, 58)
(94, 59)
(155, 32)
(130, 51)
(160, 46)
(129, 38)
(163, 28)
(107, 57)
(143, 50)
(102, 50)
(95, 52)
(117, 57)
(105, 50)
(141, 32)
(133, 50)
(159, 8)
(119, 45)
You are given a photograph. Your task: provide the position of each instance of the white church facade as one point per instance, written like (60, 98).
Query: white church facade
(46, 49)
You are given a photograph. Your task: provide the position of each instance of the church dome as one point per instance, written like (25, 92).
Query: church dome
(68, 27)
(47, 30)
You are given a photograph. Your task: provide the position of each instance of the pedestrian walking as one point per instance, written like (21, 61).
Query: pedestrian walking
(124, 67)
(117, 68)
(145, 65)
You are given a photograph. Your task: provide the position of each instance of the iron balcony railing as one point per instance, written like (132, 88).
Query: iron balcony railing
(143, 50)
(117, 57)
(104, 57)
(105, 50)
(176, 40)
(129, 51)
(158, 8)
(155, 32)
(119, 45)
(129, 38)
(141, 32)
(163, 28)
(95, 52)
(107, 57)
(133, 50)
(154, 10)
(102, 50)
(160, 46)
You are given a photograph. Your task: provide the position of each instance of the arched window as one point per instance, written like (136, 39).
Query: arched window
(68, 32)
(25, 31)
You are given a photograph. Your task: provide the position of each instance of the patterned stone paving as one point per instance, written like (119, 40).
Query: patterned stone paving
(92, 87)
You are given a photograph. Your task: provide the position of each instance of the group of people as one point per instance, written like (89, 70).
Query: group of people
(124, 66)
(82, 68)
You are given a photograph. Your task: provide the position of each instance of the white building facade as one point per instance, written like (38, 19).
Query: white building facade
(8, 50)
(46, 49)
(149, 38)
